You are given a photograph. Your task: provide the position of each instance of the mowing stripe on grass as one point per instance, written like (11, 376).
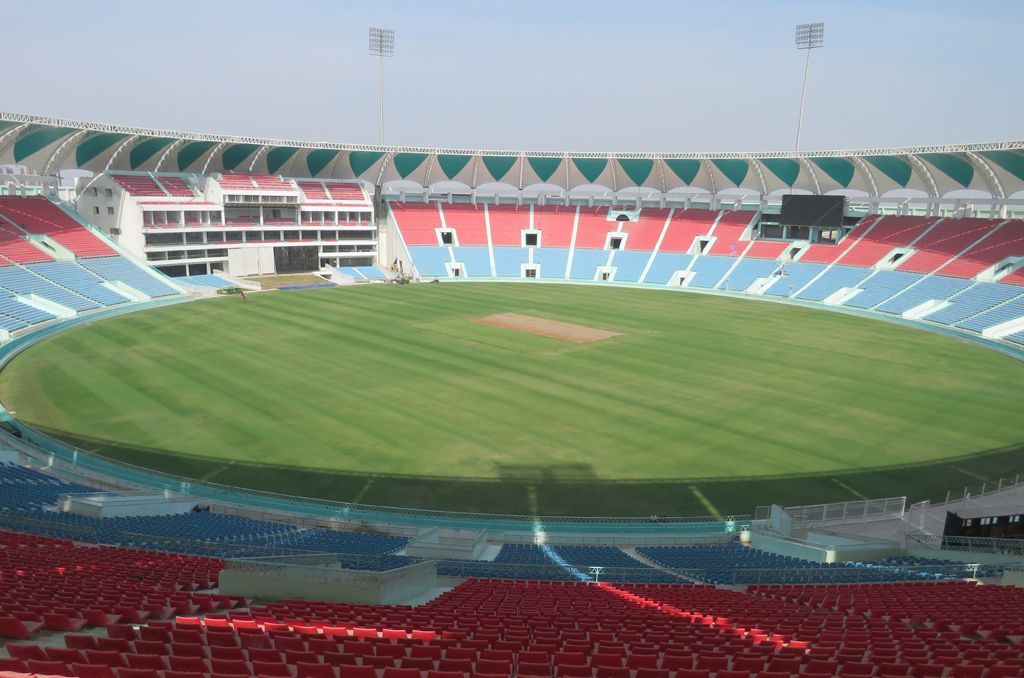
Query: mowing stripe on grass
(849, 489)
(711, 509)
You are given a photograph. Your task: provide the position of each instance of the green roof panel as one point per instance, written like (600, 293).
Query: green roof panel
(191, 152)
(686, 170)
(146, 149)
(38, 139)
(277, 157)
(318, 159)
(590, 168)
(236, 153)
(839, 169)
(406, 163)
(896, 167)
(637, 169)
(544, 167)
(451, 165)
(1011, 161)
(93, 145)
(786, 169)
(499, 165)
(733, 169)
(361, 161)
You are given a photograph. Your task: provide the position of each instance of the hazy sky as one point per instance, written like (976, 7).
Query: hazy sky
(645, 75)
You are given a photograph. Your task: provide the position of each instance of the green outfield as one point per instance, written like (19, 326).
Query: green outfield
(397, 395)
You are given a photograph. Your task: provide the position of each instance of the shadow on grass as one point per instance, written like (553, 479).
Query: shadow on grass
(574, 489)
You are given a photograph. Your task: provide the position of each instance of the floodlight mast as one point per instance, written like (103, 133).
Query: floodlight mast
(809, 37)
(382, 44)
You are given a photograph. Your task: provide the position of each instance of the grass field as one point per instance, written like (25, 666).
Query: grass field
(394, 395)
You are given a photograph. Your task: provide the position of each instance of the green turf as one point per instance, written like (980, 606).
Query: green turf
(391, 395)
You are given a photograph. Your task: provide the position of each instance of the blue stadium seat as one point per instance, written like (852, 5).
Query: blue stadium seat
(430, 260)
(881, 286)
(709, 270)
(74, 277)
(796, 275)
(664, 265)
(476, 261)
(585, 263)
(552, 261)
(972, 301)
(832, 281)
(123, 270)
(748, 271)
(508, 261)
(935, 287)
(629, 265)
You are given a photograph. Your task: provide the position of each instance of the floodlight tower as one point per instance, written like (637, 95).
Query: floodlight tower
(809, 37)
(382, 44)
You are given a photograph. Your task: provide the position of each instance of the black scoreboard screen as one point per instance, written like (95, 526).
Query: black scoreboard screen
(813, 210)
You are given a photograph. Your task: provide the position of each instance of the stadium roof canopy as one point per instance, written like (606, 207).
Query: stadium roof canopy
(49, 145)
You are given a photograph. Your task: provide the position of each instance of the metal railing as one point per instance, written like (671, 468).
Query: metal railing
(81, 464)
(864, 510)
(1009, 547)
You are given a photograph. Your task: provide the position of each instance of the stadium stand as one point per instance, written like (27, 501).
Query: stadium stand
(684, 227)
(976, 299)
(140, 185)
(507, 225)
(944, 242)
(831, 281)
(556, 225)
(468, 222)
(176, 187)
(37, 215)
(122, 270)
(345, 191)
(73, 276)
(888, 233)
(644, 233)
(206, 280)
(881, 287)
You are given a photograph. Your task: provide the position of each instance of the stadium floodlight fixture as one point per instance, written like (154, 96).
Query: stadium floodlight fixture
(382, 44)
(809, 37)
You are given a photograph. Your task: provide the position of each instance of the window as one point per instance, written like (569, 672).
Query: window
(95, 191)
(986, 521)
(969, 522)
(446, 237)
(1014, 519)
(615, 242)
(96, 209)
(110, 193)
(110, 211)
(530, 239)
(531, 273)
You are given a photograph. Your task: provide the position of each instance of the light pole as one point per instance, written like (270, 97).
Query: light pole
(382, 44)
(808, 37)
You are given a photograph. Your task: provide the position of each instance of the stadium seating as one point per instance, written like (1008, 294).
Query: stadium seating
(206, 280)
(976, 299)
(944, 242)
(556, 225)
(709, 270)
(37, 215)
(794, 276)
(345, 191)
(507, 225)
(629, 265)
(643, 234)
(551, 629)
(15, 248)
(19, 280)
(468, 223)
(122, 270)
(833, 280)
(476, 260)
(888, 233)
(823, 253)
(747, 271)
(728, 229)
(552, 261)
(73, 276)
(139, 185)
(176, 187)
(883, 286)
(684, 227)
(313, 190)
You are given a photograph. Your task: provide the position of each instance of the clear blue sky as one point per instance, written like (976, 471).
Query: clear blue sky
(647, 75)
